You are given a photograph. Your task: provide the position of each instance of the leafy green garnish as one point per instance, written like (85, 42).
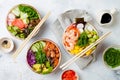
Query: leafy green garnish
(40, 57)
(32, 14)
(83, 40)
(112, 57)
(40, 54)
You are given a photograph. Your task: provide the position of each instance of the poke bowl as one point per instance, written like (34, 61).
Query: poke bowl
(78, 36)
(21, 20)
(44, 56)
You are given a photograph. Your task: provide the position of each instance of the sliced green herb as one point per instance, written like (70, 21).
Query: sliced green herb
(40, 54)
(40, 57)
(83, 40)
(32, 14)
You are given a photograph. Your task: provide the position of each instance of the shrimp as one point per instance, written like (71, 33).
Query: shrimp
(70, 36)
(69, 45)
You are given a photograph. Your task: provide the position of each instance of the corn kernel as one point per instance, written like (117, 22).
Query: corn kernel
(76, 51)
(72, 51)
(88, 52)
(77, 47)
(80, 49)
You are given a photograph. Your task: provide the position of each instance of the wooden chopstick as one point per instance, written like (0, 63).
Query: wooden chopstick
(65, 65)
(30, 36)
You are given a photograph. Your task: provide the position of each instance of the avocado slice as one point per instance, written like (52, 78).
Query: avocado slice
(37, 67)
(47, 64)
(47, 70)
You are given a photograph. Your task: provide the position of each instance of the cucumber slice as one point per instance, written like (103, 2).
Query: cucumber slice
(16, 11)
(26, 21)
(23, 15)
(95, 37)
(91, 40)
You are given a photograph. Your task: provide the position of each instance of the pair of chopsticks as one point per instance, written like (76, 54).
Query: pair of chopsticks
(30, 36)
(66, 64)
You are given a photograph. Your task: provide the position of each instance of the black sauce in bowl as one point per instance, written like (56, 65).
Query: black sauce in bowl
(106, 18)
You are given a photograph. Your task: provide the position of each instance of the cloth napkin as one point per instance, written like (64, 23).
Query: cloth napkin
(59, 26)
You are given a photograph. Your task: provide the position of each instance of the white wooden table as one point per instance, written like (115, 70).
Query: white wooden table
(20, 71)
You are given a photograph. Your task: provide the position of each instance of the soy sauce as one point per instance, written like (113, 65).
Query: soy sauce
(6, 44)
(106, 18)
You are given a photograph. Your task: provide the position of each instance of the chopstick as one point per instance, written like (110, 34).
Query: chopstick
(30, 36)
(66, 64)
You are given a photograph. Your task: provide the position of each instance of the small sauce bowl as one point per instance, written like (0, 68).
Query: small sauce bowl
(69, 74)
(6, 44)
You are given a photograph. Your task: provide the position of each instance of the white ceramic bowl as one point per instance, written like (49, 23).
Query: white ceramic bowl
(11, 44)
(113, 46)
(102, 12)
